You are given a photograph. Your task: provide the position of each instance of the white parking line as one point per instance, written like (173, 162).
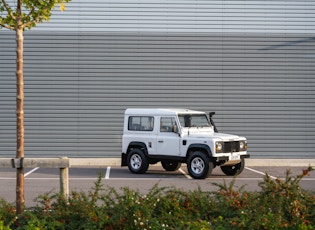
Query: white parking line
(259, 172)
(107, 173)
(30, 172)
(185, 174)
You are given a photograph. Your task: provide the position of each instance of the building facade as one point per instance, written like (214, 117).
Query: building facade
(252, 62)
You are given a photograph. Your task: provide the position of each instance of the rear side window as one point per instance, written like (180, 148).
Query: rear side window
(140, 123)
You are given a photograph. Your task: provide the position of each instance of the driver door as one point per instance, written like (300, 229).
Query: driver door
(168, 139)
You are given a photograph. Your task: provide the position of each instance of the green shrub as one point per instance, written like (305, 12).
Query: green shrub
(281, 204)
(7, 215)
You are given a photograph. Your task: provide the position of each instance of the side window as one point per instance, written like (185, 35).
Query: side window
(168, 124)
(141, 123)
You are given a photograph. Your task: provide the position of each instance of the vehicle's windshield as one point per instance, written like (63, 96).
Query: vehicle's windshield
(193, 120)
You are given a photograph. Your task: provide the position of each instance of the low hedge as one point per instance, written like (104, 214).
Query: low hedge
(280, 204)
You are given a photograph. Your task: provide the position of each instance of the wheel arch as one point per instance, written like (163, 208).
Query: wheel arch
(139, 145)
(199, 147)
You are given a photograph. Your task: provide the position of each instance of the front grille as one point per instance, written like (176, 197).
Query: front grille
(231, 147)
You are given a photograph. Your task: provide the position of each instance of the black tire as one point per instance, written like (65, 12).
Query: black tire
(171, 165)
(199, 165)
(232, 170)
(137, 161)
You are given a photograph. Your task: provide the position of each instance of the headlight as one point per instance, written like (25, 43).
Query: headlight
(219, 147)
(243, 145)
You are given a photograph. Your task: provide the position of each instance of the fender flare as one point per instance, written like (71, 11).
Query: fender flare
(137, 144)
(204, 147)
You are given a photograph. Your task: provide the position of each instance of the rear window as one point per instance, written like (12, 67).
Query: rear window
(141, 123)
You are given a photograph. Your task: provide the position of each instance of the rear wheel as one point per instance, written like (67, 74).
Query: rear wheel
(137, 161)
(199, 165)
(232, 170)
(170, 165)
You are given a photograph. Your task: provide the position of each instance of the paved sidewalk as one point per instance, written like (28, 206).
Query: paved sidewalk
(105, 162)
(94, 162)
(281, 162)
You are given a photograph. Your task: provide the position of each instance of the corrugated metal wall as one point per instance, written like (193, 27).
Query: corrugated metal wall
(250, 61)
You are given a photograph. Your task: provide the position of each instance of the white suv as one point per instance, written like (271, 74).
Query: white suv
(175, 136)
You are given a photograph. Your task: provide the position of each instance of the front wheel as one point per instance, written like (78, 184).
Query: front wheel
(232, 170)
(137, 161)
(199, 165)
(170, 165)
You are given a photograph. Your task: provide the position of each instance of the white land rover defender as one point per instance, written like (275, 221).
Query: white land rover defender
(175, 136)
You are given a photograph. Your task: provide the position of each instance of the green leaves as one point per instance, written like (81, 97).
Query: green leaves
(281, 204)
(28, 13)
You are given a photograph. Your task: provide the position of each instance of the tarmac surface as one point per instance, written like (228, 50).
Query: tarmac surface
(84, 172)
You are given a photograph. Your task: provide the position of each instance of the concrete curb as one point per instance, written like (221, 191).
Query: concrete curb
(280, 162)
(94, 162)
(104, 162)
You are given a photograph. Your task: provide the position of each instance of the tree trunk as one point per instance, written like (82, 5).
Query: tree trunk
(19, 117)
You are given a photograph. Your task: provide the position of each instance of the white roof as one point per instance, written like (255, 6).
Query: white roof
(160, 111)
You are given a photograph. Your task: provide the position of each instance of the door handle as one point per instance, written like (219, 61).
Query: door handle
(160, 141)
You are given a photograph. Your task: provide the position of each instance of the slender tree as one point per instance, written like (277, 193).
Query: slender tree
(20, 15)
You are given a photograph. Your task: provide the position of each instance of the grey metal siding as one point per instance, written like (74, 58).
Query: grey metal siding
(250, 61)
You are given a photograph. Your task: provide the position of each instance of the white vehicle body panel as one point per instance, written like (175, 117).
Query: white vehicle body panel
(177, 144)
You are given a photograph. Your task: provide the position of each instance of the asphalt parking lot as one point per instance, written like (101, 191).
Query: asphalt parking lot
(41, 180)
